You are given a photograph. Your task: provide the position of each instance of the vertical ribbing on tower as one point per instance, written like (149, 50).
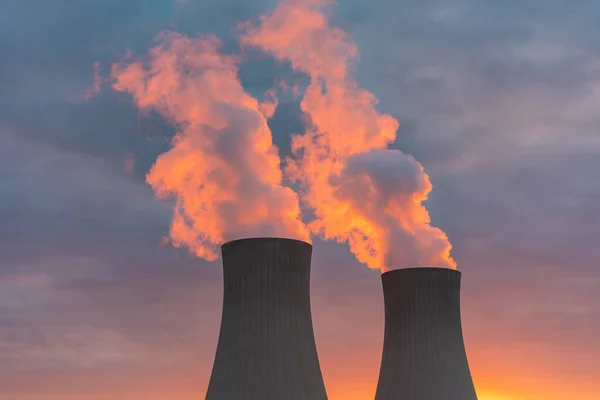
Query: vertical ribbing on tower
(424, 355)
(266, 348)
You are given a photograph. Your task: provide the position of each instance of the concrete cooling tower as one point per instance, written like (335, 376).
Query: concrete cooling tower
(266, 348)
(424, 354)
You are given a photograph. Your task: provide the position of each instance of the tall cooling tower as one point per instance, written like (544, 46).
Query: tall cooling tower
(266, 348)
(424, 354)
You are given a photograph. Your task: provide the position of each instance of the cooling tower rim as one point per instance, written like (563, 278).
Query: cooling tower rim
(264, 239)
(421, 271)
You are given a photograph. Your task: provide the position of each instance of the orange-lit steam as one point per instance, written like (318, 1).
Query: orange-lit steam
(360, 191)
(222, 170)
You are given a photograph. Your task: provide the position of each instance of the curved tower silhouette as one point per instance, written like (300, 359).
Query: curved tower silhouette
(266, 348)
(424, 355)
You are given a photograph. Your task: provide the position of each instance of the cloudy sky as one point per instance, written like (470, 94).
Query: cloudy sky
(497, 99)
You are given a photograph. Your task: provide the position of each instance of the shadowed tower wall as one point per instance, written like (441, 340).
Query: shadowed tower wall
(424, 355)
(266, 348)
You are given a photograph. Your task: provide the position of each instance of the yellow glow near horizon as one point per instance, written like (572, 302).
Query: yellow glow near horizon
(487, 396)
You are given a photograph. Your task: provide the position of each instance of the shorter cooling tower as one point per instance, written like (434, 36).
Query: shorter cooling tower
(424, 354)
(266, 348)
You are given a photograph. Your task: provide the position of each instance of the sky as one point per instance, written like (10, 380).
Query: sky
(497, 101)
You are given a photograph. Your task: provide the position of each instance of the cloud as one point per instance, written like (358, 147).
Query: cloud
(343, 131)
(96, 82)
(507, 138)
(223, 169)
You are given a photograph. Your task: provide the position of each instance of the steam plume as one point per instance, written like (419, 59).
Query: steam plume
(360, 191)
(222, 170)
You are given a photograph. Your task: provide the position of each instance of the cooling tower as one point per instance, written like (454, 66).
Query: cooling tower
(424, 354)
(266, 348)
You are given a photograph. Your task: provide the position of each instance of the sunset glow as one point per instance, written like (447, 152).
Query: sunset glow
(136, 137)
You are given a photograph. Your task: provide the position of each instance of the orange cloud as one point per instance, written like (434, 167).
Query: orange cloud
(222, 170)
(268, 106)
(360, 192)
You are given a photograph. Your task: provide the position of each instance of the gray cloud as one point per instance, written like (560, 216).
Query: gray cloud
(497, 100)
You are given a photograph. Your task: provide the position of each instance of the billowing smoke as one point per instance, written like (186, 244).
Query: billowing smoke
(222, 169)
(360, 192)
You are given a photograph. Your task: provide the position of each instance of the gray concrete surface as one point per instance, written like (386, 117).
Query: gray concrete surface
(424, 354)
(266, 348)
